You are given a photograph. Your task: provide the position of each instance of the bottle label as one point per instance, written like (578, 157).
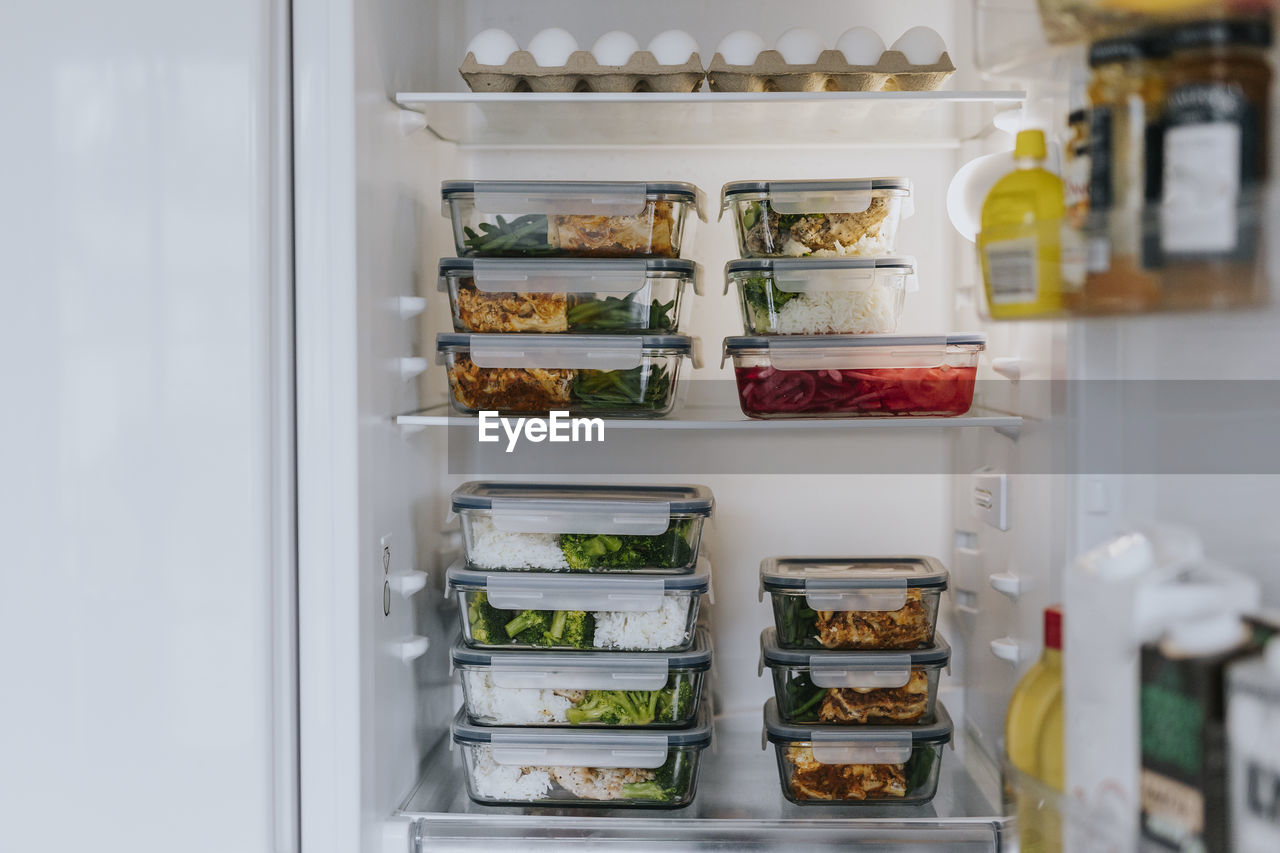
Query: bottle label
(1013, 270)
(1210, 137)
(1100, 157)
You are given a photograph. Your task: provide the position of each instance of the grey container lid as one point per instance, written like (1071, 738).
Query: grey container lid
(882, 183)
(449, 189)
(839, 573)
(696, 658)
(739, 343)
(585, 265)
(768, 265)
(680, 499)
(459, 576)
(779, 732)
(682, 344)
(698, 734)
(939, 654)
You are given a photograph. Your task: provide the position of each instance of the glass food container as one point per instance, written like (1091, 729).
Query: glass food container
(556, 610)
(835, 376)
(854, 602)
(858, 765)
(616, 375)
(827, 296)
(779, 219)
(556, 295)
(592, 219)
(582, 527)
(573, 767)
(590, 689)
(872, 687)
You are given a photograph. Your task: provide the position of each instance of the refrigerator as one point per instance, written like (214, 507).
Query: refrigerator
(230, 457)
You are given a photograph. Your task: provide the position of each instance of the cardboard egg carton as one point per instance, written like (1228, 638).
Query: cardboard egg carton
(831, 73)
(642, 73)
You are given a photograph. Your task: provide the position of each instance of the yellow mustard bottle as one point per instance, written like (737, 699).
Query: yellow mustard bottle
(1033, 740)
(1021, 242)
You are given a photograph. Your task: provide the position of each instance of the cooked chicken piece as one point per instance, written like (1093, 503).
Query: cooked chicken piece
(811, 780)
(510, 389)
(574, 696)
(512, 312)
(823, 231)
(598, 783)
(904, 628)
(646, 233)
(905, 704)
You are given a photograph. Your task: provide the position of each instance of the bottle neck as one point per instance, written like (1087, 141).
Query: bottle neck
(1027, 163)
(1053, 657)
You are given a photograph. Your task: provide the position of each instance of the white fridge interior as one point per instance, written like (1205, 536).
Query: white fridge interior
(375, 690)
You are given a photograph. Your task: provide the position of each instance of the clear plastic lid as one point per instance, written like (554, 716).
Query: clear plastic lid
(801, 275)
(634, 510)
(569, 198)
(561, 591)
(589, 352)
(842, 744)
(564, 275)
(526, 746)
(852, 583)
(554, 670)
(852, 195)
(867, 670)
(852, 352)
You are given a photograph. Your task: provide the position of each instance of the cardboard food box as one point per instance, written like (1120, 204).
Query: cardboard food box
(831, 73)
(642, 73)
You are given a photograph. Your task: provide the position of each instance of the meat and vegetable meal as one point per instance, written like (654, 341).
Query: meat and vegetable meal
(480, 311)
(909, 627)
(647, 389)
(769, 233)
(806, 703)
(811, 780)
(650, 232)
(673, 705)
(669, 784)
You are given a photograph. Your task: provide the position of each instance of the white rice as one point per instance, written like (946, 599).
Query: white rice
(655, 629)
(502, 705)
(506, 781)
(866, 246)
(839, 312)
(491, 548)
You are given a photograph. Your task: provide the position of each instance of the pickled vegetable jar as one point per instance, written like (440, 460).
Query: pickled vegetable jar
(835, 376)
(593, 219)
(551, 295)
(855, 217)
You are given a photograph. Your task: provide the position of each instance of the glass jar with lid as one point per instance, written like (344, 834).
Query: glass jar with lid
(1213, 162)
(1125, 94)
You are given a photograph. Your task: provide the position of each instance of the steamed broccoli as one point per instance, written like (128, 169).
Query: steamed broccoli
(664, 551)
(615, 708)
(670, 781)
(491, 626)
(675, 703)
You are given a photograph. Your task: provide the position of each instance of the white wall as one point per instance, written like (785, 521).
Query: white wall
(145, 480)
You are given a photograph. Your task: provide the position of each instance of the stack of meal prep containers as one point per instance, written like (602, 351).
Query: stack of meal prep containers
(566, 296)
(581, 654)
(821, 293)
(856, 661)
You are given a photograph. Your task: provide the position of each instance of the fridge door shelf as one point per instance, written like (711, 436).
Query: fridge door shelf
(929, 119)
(738, 798)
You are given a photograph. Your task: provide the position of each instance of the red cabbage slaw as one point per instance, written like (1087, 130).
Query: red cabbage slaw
(765, 391)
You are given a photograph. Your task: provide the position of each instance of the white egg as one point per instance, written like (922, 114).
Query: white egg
(614, 48)
(799, 46)
(741, 47)
(672, 47)
(551, 47)
(492, 47)
(860, 46)
(921, 45)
